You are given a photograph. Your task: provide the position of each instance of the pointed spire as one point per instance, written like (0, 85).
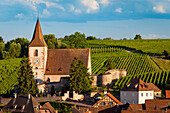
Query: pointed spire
(38, 39)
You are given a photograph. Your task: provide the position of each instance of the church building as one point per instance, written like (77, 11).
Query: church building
(53, 65)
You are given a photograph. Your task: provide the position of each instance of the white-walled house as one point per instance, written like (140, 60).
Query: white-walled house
(137, 91)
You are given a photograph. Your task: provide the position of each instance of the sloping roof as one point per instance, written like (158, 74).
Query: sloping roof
(167, 93)
(135, 107)
(115, 99)
(38, 39)
(47, 106)
(157, 104)
(111, 97)
(22, 104)
(59, 60)
(139, 85)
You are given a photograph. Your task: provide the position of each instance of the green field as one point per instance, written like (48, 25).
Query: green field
(151, 46)
(8, 74)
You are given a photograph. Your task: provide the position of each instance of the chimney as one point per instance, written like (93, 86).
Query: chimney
(29, 96)
(15, 95)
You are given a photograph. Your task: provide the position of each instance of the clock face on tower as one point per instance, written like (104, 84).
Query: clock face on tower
(36, 61)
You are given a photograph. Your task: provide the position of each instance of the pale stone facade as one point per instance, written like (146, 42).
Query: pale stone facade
(135, 97)
(40, 66)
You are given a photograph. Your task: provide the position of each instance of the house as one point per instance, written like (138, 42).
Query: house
(53, 65)
(26, 104)
(137, 91)
(107, 101)
(150, 106)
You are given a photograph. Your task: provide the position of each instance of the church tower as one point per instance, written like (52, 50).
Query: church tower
(38, 53)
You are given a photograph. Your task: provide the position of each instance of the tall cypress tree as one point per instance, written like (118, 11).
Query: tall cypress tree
(79, 79)
(26, 78)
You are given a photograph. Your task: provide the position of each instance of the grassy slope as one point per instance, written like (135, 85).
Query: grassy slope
(146, 45)
(163, 64)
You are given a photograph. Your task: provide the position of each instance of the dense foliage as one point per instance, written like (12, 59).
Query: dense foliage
(79, 80)
(26, 83)
(51, 41)
(9, 74)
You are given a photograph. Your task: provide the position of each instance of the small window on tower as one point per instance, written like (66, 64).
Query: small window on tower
(36, 67)
(36, 73)
(36, 53)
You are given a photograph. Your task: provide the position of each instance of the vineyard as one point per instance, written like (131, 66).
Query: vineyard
(134, 64)
(152, 46)
(8, 74)
(160, 79)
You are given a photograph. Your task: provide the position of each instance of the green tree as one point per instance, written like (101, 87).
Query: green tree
(138, 36)
(109, 64)
(2, 47)
(108, 38)
(166, 53)
(14, 50)
(26, 81)
(78, 40)
(79, 80)
(51, 41)
(91, 38)
(66, 38)
(1, 39)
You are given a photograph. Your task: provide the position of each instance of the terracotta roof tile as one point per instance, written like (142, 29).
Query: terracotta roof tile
(167, 93)
(115, 99)
(38, 39)
(59, 60)
(48, 106)
(139, 85)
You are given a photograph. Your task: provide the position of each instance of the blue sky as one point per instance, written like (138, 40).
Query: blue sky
(101, 18)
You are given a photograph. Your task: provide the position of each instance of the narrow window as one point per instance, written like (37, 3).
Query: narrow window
(124, 94)
(150, 94)
(36, 53)
(133, 94)
(103, 103)
(133, 102)
(142, 94)
(147, 94)
(111, 103)
(124, 101)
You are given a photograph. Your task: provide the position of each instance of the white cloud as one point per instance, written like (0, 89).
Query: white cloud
(73, 9)
(19, 15)
(119, 10)
(159, 9)
(45, 13)
(148, 36)
(92, 5)
(77, 11)
(104, 2)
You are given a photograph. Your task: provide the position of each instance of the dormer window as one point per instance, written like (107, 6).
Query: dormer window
(136, 85)
(36, 53)
(60, 69)
(128, 85)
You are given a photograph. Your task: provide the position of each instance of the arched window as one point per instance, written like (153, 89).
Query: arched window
(36, 53)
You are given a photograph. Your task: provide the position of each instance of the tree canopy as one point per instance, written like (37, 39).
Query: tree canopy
(26, 81)
(138, 36)
(79, 80)
(51, 41)
(91, 38)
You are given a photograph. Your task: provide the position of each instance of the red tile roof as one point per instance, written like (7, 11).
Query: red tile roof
(139, 85)
(47, 106)
(38, 39)
(167, 93)
(115, 99)
(59, 60)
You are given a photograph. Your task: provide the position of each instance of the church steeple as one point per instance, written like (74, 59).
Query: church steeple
(38, 39)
